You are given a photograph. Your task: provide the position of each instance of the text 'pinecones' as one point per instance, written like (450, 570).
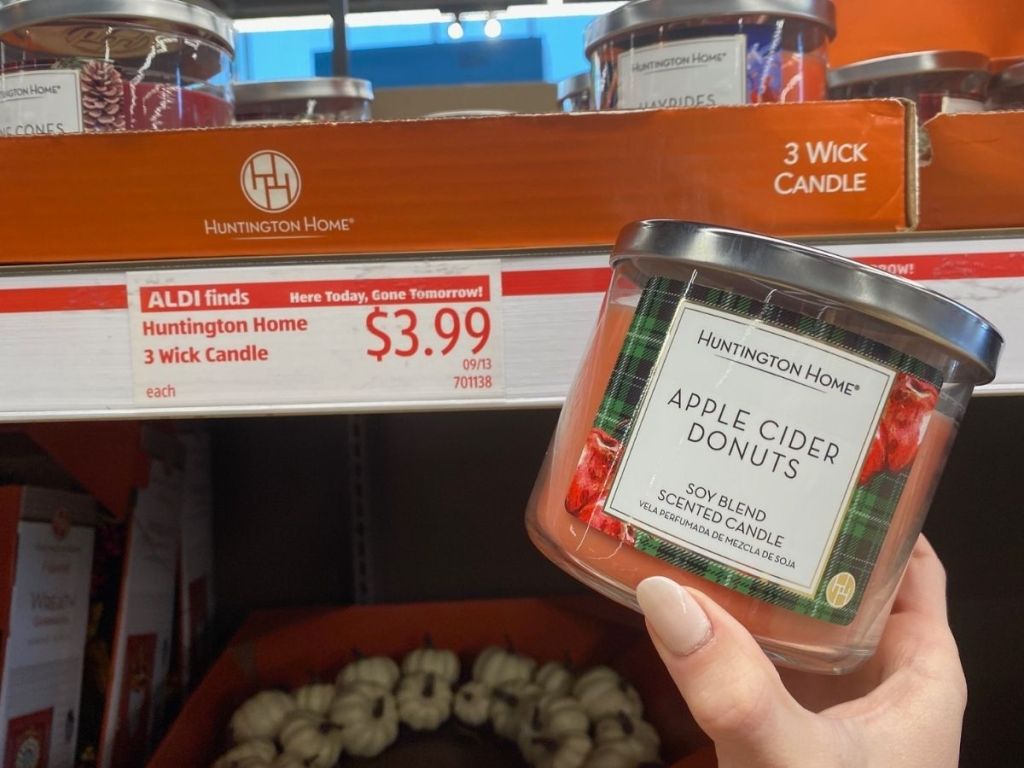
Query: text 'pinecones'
(102, 97)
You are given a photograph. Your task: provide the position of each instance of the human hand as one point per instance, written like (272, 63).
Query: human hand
(904, 707)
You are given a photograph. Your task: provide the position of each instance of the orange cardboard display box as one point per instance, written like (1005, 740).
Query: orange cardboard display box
(510, 182)
(973, 179)
(267, 654)
(872, 28)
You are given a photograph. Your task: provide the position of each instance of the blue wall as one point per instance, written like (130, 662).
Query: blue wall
(529, 49)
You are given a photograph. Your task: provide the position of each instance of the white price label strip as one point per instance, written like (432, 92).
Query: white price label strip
(408, 331)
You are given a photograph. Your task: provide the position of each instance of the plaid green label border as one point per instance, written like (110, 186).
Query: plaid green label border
(865, 522)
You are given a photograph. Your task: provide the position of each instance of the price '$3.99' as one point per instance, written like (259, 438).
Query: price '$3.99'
(400, 333)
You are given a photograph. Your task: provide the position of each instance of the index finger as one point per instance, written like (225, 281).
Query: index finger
(923, 589)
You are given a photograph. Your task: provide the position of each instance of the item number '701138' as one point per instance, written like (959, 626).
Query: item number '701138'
(407, 333)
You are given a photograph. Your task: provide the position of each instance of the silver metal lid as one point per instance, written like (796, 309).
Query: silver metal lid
(1011, 77)
(573, 85)
(961, 333)
(190, 18)
(270, 91)
(906, 65)
(641, 14)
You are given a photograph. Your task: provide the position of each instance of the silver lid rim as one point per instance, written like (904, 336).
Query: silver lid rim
(960, 332)
(573, 85)
(907, 65)
(641, 14)
(1011, 77)
(196, 19)
(270, 91)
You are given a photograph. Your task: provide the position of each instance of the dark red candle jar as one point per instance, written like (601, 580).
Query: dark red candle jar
(68, 66)
(312, 100)
(937, 81)
(707, 53)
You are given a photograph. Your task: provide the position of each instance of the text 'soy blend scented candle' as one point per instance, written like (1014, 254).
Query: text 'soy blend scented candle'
(310, 100)
(1006, 90)
(938, 81)
(764, 422)
(706, 53)
(574, 93)
(68, 66)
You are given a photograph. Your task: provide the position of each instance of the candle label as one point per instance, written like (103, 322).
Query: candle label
(706, 72)
(760, 448)
(40, 103)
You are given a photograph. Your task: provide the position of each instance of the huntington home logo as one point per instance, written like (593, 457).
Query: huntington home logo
(270, 181)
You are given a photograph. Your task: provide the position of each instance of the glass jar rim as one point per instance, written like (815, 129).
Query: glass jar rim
(189, 18)
(641, 14)
(908, 65)
(961, 333)
(260, 92)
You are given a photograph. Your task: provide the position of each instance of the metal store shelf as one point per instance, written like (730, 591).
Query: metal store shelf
(70, 346)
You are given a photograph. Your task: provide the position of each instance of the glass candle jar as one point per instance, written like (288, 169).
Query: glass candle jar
(761, 421)
(705, 53)
(574, 93)
(938, 81)
(1007, 89)
(312, 100)
(113, 65)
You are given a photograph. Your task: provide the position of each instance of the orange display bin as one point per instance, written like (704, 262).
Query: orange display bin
(282, 650)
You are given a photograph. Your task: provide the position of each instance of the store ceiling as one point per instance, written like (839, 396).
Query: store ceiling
(247, 9)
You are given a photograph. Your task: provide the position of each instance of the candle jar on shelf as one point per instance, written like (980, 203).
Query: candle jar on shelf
(937, 81)
(68, 66)
(310, 100)
(761, 421)
(678, 53)
(1007, 89)
(574, 93)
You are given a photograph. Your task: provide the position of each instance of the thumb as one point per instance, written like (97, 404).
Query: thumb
(730, 686)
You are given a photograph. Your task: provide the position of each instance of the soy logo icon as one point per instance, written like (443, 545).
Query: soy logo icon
(271, 181)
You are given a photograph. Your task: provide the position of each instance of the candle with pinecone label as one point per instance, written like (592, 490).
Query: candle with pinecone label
(90, 70)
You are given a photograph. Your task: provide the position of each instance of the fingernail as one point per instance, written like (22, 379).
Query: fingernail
(674, 615)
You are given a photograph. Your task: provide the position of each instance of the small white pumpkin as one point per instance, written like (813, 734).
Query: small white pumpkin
(554, 679)
(611, 755)
(313, 739)
(260, 716)
(472, 703)
(550, 719)
(570, 751)
(637, 737)
(511, 706)
(424, 701)
(257, 749)
(379, 670)
(603, 693)
(444, 665)
(496, 666)
(368, 718)
(315, 697)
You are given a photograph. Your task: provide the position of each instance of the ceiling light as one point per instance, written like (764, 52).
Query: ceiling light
(492, 28)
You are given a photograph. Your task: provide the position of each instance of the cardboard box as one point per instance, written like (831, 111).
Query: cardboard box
(132, 632)
(973, 179)
(267, 653)
(520, 181)
(46, 546)
(195, 566)
(872, 28)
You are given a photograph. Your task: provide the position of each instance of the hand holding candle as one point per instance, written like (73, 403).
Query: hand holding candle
(904, 707)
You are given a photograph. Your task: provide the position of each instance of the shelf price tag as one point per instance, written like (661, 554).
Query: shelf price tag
(328, 333)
